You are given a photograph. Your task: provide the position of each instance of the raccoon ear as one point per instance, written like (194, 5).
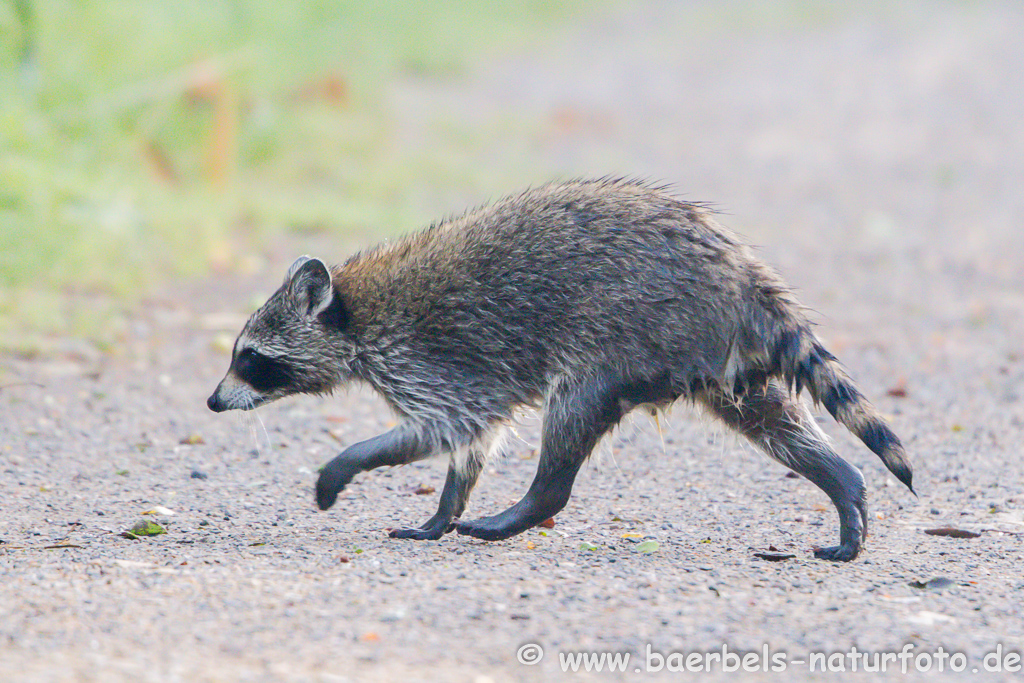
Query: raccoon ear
(294, 268)
(310, 286)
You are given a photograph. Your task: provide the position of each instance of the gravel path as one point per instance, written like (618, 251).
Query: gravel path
(878, 157)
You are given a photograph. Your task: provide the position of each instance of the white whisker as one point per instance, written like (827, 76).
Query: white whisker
(263, 429)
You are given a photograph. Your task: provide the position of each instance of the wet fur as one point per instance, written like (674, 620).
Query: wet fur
(585, 298)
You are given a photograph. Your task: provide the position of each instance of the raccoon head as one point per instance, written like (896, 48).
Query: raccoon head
(295, 343)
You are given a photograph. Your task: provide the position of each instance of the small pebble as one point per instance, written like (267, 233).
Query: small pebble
(198, 474)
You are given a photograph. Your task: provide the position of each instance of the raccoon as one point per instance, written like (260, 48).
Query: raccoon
(587, 299)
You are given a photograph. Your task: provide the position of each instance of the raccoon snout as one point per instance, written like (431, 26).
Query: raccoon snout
(215, 404)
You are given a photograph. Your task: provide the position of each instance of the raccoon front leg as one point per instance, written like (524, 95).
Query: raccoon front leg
(459, 482)
(399, 446)
(783, 428)
(577, 414)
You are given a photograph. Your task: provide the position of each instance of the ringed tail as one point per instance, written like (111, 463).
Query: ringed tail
(803, 362)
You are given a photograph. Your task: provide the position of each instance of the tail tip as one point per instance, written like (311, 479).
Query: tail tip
(877, 436)
(906, 475)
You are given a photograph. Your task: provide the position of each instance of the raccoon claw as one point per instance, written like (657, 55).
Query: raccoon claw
(838, 553)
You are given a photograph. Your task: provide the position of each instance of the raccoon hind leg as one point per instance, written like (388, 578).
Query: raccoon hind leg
(783, 428)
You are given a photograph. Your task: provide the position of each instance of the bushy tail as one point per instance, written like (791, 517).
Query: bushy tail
(803, 362)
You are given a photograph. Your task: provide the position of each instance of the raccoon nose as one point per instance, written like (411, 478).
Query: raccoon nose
(214, 404)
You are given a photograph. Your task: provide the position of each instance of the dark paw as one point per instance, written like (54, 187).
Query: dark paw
(838, 553)
(334, 477)
(428, 532)
(494, 528)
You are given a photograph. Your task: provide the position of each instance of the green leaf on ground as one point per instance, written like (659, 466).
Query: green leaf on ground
(144, 527)
(648, 547)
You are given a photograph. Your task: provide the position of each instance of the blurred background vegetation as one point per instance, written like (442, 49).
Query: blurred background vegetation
(142, 141)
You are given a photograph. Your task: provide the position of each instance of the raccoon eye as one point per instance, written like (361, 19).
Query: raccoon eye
(261, 372)
(244, 359)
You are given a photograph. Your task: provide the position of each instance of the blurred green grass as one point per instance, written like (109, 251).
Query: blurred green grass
(142, 141)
